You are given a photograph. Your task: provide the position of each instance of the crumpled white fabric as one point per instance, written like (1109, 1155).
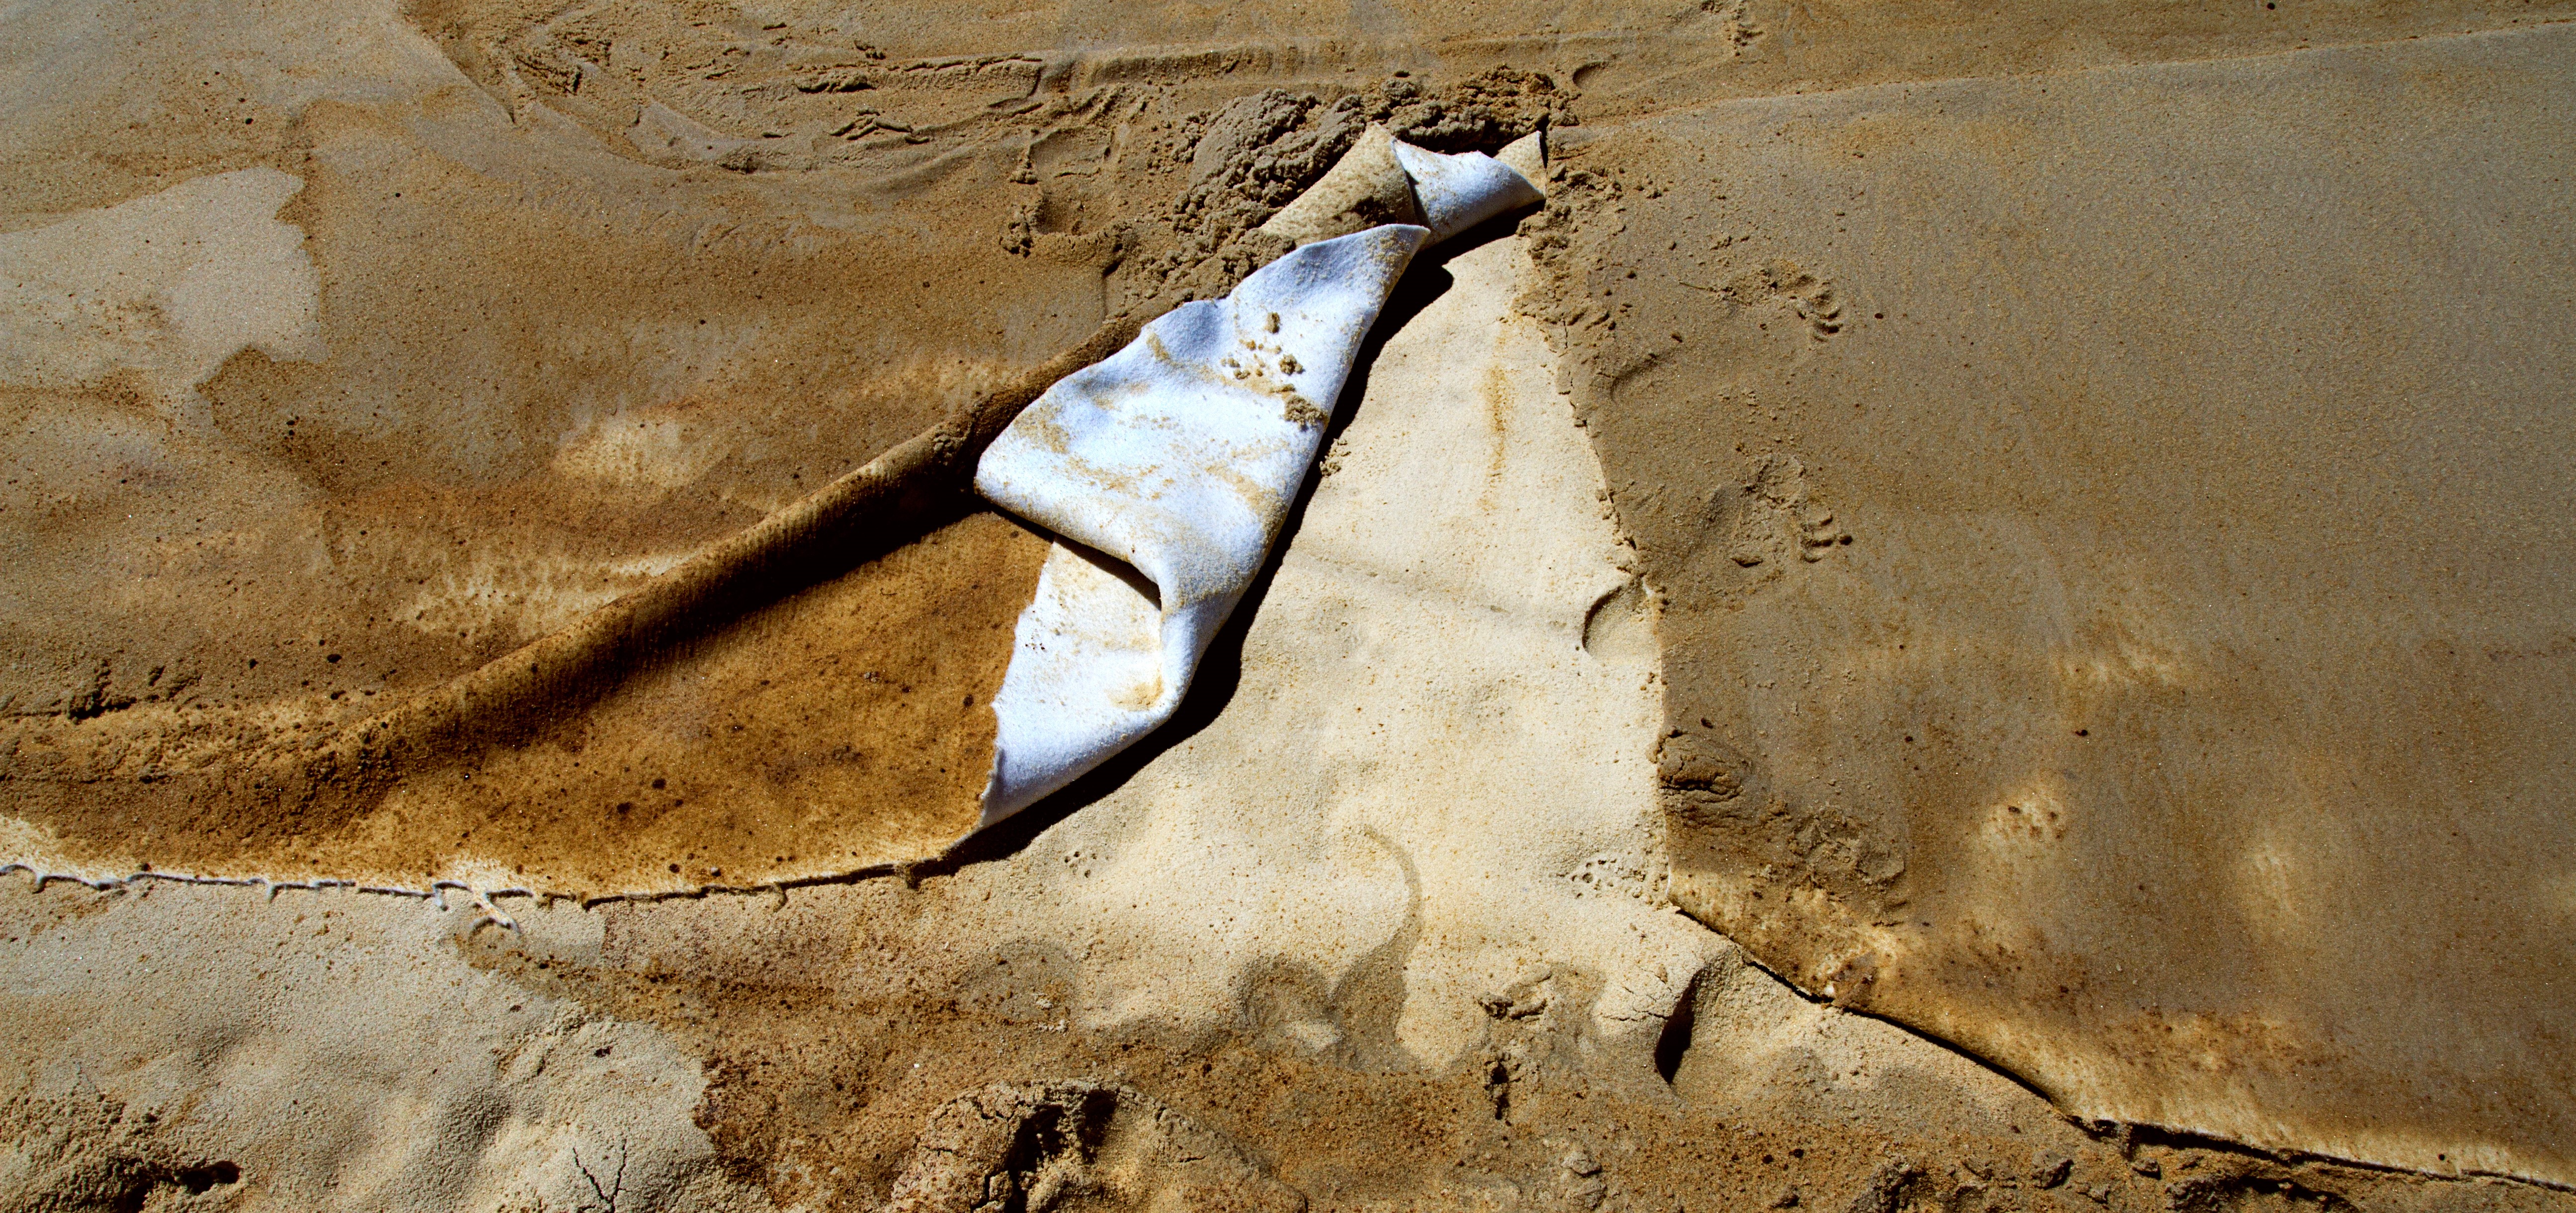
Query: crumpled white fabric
(1459, 191)
(1167, 470)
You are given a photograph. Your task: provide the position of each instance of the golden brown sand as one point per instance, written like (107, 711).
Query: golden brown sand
(2157, 717)
(845, 728)
(2069, 653)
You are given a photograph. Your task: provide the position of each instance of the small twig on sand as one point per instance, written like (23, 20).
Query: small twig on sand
(615, 1187)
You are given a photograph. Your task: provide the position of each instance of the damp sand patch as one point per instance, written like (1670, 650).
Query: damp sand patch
(843, 728)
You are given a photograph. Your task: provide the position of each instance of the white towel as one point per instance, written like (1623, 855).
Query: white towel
(1179, 456)
(1172, 464)
(1458, 192)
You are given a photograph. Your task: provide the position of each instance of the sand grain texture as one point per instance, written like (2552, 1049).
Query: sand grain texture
(2113, 529)
(2166, 705)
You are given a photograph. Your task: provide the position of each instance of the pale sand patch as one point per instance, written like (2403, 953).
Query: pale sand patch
(163, 288)
(324, 1050)
(1420, 765)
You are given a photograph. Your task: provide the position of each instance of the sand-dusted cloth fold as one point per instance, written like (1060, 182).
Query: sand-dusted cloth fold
(1176, 457)
(1168, 468)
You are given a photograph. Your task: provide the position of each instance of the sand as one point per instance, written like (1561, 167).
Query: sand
(2063, 614)
(548, 371)
(1359, 899)
(1543, 833)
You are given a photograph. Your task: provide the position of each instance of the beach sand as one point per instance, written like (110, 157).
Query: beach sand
(1969, 618)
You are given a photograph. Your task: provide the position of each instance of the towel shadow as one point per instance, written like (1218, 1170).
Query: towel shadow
(1220, 672)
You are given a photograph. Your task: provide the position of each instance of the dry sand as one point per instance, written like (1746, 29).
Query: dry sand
(2163, 709)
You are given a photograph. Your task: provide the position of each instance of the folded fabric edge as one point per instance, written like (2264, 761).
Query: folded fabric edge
(1450, 193)
(1459, 191)
(1182, 641)
(1186, 628)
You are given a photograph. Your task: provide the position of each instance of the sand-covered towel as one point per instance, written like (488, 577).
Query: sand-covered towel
(1177, 456)
(1168, 469)
(1459, 191)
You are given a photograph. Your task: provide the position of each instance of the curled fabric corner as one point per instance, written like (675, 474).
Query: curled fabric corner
(1173, 462)
(1459, 191)
(1527, 156)
(1167, 469)
(1367, 187)
(1381, 180)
